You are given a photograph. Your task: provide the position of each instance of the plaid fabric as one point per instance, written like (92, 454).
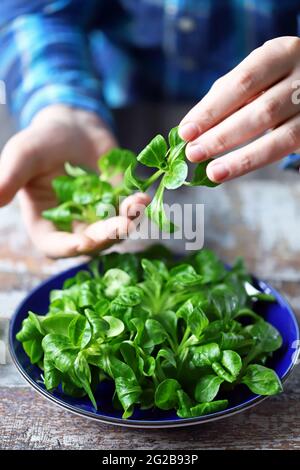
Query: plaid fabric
(99, 54)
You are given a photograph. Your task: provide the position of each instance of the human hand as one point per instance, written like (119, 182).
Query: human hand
(33, 157)
(255, 97)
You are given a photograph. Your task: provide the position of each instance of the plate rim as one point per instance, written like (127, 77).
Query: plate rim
(135, 423)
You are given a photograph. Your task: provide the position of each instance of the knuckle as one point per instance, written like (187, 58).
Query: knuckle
(219, 82)
(284, 45)
(246, 81)
(245, 163)
(293, 135)
(220, 143)
(268, 44)
(255, 53)
(291, 44)
(21, 145)
(208, 118)
(270, 110)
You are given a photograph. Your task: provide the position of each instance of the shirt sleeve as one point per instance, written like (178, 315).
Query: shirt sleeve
(45, 58)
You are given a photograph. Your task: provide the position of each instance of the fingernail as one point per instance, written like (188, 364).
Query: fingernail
(188, 131)
(195, 153)
(217, 172)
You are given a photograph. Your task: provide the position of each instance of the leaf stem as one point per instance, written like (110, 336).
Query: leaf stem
(184, 339)
(172, 343)
(152, 179)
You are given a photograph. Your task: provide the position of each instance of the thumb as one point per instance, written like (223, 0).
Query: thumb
(17, 165)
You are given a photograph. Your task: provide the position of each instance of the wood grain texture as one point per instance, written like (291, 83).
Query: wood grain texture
(254, 218)
(28, 421)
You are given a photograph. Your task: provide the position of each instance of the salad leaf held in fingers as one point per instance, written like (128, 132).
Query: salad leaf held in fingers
(85, 196)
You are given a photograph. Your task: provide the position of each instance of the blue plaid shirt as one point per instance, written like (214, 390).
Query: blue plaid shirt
(100, 54)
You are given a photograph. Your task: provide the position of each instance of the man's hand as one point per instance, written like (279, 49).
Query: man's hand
(33, 157)
(253, 98)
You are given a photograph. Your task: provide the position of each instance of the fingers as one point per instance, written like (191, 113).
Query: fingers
(95, 237)
(269, 110)
(88, 239)
(17, 165)
(267, 149)
(106, 232)
(133, 206)
(262, 68)
(55, 244)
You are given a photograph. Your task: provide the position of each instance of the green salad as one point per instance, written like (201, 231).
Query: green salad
(86, 196)
(171, 335)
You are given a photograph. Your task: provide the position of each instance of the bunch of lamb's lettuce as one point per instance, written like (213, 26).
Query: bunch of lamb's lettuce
(169, 335)
(85, 196)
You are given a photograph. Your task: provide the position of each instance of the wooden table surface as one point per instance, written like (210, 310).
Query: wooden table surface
(257, 217)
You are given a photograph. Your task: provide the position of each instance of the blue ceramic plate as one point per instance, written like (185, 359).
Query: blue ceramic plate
(278, 314)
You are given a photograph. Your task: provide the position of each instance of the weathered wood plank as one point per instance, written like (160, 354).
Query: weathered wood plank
(28, 421)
